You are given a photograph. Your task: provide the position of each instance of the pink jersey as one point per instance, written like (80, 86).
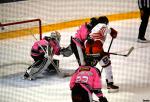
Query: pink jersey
(81, 35)
(56, 47)
(88, 77)
(37, 50)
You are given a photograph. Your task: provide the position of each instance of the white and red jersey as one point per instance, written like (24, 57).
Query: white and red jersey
(89, 78)
(99, 32)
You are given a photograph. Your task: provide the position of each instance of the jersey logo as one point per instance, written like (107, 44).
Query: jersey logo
(84, 69)
(99, 35)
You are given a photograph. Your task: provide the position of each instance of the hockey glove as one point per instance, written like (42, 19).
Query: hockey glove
(102, 99)
(66, 52)
(113, 33)
(90, 41)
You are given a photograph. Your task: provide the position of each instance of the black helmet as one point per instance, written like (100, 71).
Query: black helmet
(103, 19)
(93, 22)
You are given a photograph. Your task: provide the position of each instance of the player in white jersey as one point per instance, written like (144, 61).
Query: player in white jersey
(94, 49)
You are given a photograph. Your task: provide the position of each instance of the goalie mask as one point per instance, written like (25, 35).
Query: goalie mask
(55, 35)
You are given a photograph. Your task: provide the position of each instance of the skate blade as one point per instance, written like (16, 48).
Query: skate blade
(28, 78)
(113, 90)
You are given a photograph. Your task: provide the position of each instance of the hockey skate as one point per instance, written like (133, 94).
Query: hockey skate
(26, 75)
(111, 87)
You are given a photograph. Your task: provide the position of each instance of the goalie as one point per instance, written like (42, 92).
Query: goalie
(41, 50)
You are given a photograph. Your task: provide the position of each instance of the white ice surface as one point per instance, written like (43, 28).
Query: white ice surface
(131, 73)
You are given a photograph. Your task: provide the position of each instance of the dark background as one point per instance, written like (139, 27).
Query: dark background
(8, 1)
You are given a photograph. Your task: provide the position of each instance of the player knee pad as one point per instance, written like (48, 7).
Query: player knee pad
(105, 61)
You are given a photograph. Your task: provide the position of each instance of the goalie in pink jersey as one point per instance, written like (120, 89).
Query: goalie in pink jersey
(48, 46)
(85, 81)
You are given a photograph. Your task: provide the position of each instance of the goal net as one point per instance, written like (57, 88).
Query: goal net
(16, 40)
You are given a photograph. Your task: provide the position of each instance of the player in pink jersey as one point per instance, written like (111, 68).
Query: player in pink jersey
(39, 53)
(85, 81)
(77, 42)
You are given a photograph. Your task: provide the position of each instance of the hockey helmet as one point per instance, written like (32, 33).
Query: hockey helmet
(93, 22)
(103, 19)
(55, 35)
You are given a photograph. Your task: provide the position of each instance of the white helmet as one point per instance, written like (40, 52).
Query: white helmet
(56, 35)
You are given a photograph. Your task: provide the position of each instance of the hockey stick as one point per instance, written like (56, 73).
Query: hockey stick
(125, 55)
(110, 45)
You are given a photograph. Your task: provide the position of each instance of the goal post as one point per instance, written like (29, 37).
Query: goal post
(37, 29)
(16, 40)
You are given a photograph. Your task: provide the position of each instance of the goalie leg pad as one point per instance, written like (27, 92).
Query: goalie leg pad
(51, 67)
(37, 68)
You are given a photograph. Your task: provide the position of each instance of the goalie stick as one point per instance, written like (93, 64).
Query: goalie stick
(125, 55)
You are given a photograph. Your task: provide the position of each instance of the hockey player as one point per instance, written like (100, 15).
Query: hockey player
(94, 46)
(77, 42)
(85, 81)
(89, 40)
(41, 50)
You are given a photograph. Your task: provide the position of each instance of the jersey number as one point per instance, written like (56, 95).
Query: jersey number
(82, 79)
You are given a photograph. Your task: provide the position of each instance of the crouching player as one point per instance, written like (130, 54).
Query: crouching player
(41, 50)
(85, 81)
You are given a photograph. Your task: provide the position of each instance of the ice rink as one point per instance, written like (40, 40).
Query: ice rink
(131, 74)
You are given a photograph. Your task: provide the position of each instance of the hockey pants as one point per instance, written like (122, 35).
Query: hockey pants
(79, 94)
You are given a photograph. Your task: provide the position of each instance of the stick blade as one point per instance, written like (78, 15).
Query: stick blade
(131, 49)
